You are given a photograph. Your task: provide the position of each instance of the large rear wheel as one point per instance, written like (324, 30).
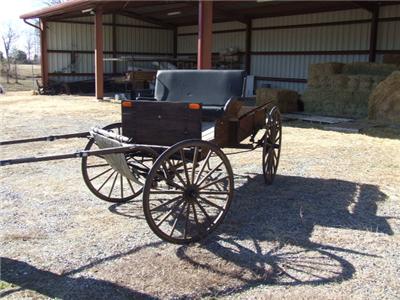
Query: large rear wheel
(188, 191)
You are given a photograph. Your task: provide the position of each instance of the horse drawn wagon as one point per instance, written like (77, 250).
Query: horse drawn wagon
(169, 150)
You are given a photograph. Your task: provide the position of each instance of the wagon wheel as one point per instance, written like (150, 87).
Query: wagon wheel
(105, 182)
(183, 200)
(272, 145)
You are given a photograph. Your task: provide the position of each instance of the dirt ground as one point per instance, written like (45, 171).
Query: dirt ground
(327, 228)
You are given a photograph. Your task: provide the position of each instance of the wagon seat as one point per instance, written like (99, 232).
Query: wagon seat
(212, 88)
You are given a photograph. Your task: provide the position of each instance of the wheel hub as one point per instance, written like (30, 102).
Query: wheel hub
(191, 193)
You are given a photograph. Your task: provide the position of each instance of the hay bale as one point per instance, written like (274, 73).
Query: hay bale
(391, 59)
(384, 102)
(338, 81)
(287, 100)
(353, 82)
(324, 69)
(365, 82)
(314, 81)
(366, 68)
(336, 102)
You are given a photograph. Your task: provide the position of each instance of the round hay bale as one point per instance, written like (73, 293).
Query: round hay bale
(384, 102)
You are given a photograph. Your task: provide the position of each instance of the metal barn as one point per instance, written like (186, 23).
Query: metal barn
(276, 41)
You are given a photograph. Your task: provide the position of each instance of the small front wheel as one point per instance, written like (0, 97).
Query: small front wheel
(188, 191)
(109, 185)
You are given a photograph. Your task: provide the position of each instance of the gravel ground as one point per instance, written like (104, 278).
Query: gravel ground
(327, 228)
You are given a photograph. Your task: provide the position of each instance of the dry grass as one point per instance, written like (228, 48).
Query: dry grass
(27, 75)
(327, 228)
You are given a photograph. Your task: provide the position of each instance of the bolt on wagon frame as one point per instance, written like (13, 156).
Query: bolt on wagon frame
(169, 149)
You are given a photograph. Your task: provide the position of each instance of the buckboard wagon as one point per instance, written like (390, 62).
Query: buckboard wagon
(168, 148)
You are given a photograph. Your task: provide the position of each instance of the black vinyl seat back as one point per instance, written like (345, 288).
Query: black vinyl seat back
(208, 87)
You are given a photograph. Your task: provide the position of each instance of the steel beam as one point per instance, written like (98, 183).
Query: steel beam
(43, 52)
(98, 53)
(204, 41)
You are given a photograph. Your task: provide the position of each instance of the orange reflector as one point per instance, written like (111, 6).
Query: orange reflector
(127, 104)
(194, 106)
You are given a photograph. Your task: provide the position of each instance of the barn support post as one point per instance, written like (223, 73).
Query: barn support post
(248, 47)
(204, 40)
(98, 53)
(114, 44)
(175, 43)
(44, 58)
(373, 33)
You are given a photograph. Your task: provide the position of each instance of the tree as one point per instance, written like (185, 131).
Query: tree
(1, 56)
(29, 46)
(9, 37)
(19, 56)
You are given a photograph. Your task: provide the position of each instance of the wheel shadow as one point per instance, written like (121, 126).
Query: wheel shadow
(266, 237)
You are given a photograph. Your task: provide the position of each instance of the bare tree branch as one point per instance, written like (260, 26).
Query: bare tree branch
(9, 37)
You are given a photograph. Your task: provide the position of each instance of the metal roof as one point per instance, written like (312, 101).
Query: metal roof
(179, 13)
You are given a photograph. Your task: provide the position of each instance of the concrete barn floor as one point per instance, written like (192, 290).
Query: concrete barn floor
(327, 228)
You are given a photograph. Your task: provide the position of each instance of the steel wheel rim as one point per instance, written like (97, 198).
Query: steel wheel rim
(272, 145)
(196, 202)
(107, 184)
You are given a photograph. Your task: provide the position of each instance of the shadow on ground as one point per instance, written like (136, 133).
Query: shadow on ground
(284, 215)
(366, 127)
(266, 239)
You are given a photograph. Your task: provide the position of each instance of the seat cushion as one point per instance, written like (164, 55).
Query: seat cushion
(209, 87)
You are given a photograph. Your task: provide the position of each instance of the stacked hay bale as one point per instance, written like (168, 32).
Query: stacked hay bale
(337, 89)
(384, 102)
(287, 100)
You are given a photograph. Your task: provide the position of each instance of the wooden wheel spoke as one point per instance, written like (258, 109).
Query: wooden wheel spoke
(165, 216)
(213, 182)
(214, 193)
(112, 186)
(102, 173)
(195, 215)
(165, 192)
(97, 166)
(186, 221)
(177, 219)
(130, 185)
(184, 165)
(166, 203)
(104, 183)
(122, 185)
(209, 219)
(209, 173)
(211, 203)
(196, 153)
(203, 166)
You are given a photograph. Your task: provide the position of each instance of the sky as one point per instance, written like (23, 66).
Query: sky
(9, 14)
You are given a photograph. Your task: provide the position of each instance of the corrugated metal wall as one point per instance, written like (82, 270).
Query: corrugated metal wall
(271, 44)
(346, 37)
(64, 38)
(187, 43)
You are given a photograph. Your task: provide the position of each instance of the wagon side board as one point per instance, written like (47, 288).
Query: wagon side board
(161, 123)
